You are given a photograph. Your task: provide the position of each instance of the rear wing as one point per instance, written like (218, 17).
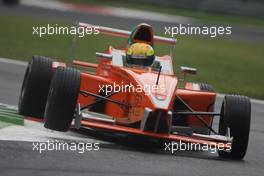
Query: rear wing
(125, 34)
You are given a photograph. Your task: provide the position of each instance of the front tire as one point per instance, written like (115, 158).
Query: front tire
(62, 99)
(235, 115)
(35, 87)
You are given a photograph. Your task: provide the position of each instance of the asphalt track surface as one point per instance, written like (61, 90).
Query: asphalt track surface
(117, 155)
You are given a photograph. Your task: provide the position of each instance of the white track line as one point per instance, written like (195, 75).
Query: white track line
(35, 132)
(8, 106)
(13, 61)
(146, 15)
(47, 4)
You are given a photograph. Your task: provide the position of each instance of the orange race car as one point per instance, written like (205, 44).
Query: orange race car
(134, 91)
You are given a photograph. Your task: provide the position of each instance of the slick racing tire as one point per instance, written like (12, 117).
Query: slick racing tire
(235, 117)
(62, 99)
(206, 87)
(35, 87)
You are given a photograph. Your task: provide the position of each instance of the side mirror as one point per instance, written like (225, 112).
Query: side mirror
(103, 56)
(187, 70)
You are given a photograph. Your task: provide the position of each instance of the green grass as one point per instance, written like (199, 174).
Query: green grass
(200, 15)
(232, 67)
(9, 116)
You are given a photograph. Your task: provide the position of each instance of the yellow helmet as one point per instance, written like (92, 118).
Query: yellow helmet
(140, 54)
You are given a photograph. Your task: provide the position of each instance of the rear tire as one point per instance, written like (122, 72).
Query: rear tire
(235, 115)
(35, 87)
(62, 99)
